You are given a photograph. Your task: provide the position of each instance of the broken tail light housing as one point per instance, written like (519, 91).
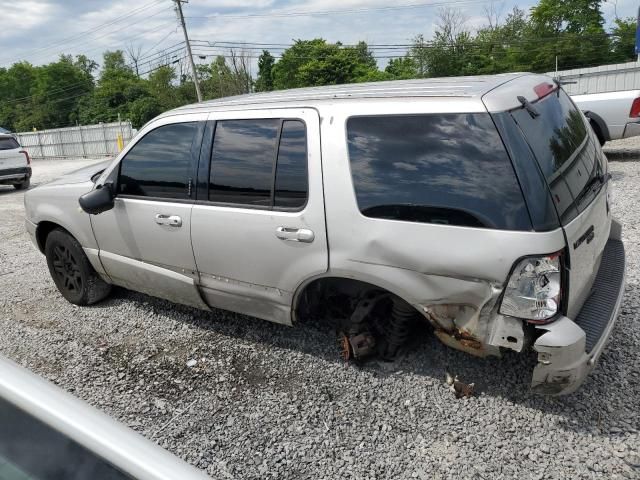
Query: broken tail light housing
(534, 289)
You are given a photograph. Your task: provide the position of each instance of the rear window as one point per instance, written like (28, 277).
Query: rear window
(567, 154)
(8, 143)
(447, 169)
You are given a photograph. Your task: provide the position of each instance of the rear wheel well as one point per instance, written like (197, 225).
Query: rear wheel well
(325, 295)
(42, 232)
(369, 319)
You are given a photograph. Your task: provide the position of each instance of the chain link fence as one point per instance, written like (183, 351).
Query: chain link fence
(81, 141)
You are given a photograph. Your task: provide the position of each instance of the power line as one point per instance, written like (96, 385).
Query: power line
(91, 31)
(159, 42)
(339, 12)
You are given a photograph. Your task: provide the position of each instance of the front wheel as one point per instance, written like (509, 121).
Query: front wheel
(71, 271)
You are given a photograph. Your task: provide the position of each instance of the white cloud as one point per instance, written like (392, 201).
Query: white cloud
(40, 26)
(29, 14)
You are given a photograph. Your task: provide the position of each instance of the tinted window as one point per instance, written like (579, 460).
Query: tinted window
(242, 161)
(448, 169)
(159, 165)
(29, 449)
(567, 155)
(8, 143)
(291, 171)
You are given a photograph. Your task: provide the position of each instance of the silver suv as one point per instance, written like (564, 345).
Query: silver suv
(478, 206)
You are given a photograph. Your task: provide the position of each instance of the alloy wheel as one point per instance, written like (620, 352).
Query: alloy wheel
(67, 269)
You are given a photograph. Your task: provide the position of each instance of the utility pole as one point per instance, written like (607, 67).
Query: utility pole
(186, 39)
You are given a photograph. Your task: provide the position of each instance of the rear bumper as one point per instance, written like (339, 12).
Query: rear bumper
(631, 130)
(15, 175)
(569, 349)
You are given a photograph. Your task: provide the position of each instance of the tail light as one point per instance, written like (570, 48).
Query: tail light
(534, 289)
(635, 108)
(26, 154)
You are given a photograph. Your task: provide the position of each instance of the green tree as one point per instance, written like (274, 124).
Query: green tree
(162, 89)
(316, 62)
(623, 43)
(402, 68)
(17, 84)
(264, 82)
(227, 76)
(572, 30)
(46, 96)
(117, 92)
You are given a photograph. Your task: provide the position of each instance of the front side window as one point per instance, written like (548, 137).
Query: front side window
(260, 163)
(159, 165)
(447, 169)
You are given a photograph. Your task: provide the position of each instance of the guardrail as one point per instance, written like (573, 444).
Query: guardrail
(103, 139)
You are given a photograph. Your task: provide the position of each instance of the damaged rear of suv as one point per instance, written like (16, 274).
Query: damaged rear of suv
(492, 219)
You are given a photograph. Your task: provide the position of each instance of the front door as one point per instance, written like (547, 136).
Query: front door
(144, 240)
(258, 226)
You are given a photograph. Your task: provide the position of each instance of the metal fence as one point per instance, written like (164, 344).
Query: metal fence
(605, 78)
(81, 141)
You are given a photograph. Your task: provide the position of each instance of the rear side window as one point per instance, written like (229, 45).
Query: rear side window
(291, 170)
(447, 169)
(568, 156)
(260, 163)
(242, 161)
(8, 143)
(159, 165)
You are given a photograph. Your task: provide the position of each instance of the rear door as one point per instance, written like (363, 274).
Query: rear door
(572, 161)
(10, 156)
(258, 225)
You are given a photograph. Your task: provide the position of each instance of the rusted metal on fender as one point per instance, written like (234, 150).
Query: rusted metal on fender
(472, 329)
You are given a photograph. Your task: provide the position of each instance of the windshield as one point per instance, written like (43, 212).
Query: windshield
(447, 168)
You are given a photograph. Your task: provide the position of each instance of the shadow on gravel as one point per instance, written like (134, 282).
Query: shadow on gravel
(8, 189)
(592, 408)
(622, 155)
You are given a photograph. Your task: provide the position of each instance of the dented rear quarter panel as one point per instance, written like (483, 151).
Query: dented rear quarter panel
(425, 264)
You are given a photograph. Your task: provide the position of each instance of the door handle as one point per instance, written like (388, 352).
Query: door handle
(303, 235)
(169, 220)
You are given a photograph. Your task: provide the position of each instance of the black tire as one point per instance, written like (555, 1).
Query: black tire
(23, 185)
(71, 271)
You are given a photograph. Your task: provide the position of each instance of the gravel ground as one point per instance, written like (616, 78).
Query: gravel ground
(268, 401)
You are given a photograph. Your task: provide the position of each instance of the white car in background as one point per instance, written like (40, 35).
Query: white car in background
(15, 164)
(612, 115)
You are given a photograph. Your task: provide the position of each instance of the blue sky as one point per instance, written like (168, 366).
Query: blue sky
(40, 30)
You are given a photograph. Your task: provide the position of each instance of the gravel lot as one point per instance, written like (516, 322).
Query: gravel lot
(268, 401)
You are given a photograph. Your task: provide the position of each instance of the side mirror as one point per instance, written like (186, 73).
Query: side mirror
(98, 200)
